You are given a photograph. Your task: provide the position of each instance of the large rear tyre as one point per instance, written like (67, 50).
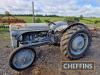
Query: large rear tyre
(22, 58)
(75, 42)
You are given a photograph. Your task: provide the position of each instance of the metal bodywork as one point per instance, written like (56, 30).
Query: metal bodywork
(38, 33)
(74, 41)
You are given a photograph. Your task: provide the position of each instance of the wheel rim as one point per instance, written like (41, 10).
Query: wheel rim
(23, 58)
(79, 43)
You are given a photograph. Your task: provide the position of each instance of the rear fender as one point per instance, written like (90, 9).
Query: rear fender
(75, 24)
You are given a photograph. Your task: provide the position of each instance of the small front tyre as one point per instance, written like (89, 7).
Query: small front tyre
(22, 58)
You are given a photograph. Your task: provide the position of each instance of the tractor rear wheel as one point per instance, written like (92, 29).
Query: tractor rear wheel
(75, 42)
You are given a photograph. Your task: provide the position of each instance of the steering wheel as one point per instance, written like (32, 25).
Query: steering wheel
(51, 23)
(50, 30)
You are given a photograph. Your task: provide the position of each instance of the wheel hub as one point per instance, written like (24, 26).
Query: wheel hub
(78, 43)
(23, 58)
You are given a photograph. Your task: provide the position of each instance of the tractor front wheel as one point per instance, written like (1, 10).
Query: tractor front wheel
(22, 58)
